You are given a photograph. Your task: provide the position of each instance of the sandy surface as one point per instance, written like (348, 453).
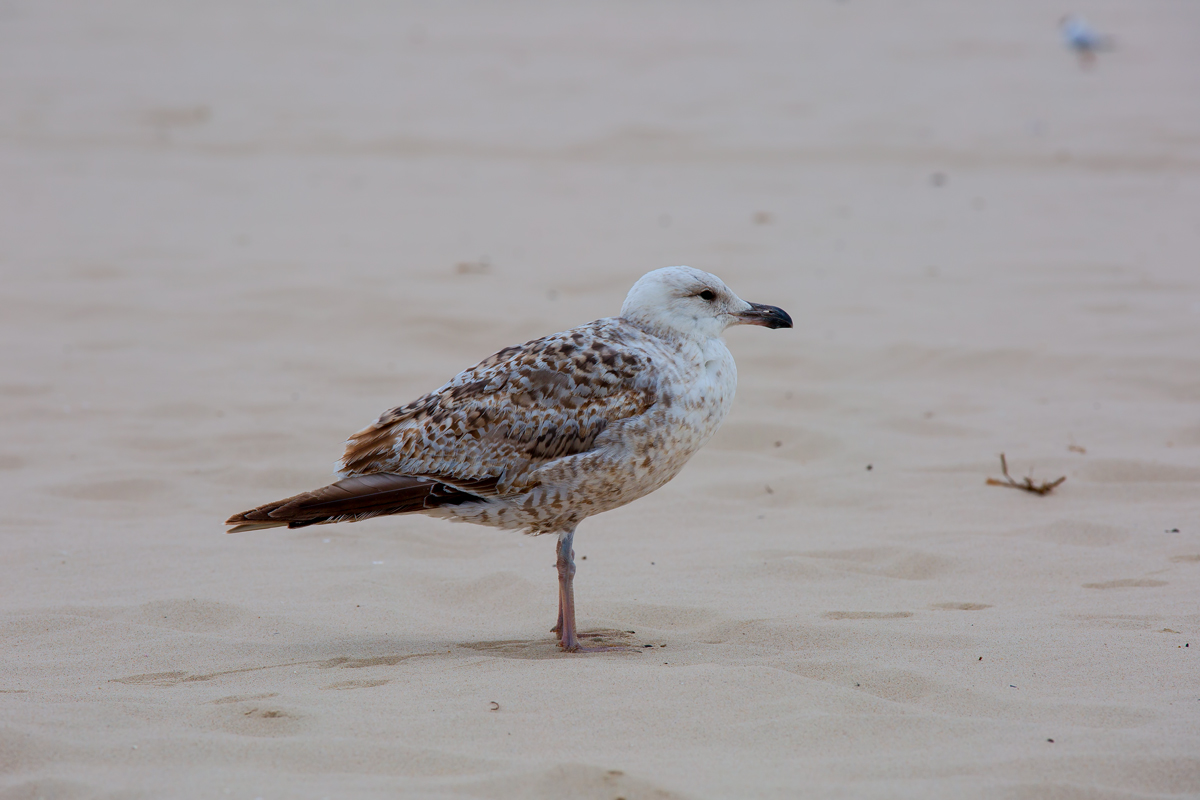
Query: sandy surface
(231, 235)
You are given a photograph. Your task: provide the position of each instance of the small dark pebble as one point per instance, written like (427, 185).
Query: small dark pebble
(870, 467)
(631, 631)
(1051, 741)
(981, 658)
(647, 645)
(1012, 686)
(1172, 530)
(583, 558)
(662, 645)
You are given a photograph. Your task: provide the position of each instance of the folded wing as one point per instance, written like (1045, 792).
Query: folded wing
(502, 419)
(481, 435)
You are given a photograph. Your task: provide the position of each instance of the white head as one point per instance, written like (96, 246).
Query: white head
(681, 301)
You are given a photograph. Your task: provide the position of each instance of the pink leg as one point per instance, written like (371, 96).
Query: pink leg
(558, 625)
(568, 636)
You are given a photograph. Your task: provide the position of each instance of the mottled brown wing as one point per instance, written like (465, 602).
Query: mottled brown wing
(513, 412)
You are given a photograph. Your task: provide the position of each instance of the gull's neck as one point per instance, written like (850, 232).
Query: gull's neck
(671, 333)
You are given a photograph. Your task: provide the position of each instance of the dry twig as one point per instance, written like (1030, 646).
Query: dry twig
(1027, 484)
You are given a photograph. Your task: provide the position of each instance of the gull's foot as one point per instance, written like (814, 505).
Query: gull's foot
(602, 641)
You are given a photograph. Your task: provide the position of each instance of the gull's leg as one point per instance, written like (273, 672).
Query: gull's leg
(558, 625)
(566, 567)
(565, 628)
(568, 636)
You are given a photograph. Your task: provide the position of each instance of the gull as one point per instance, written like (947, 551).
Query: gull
(1078, 35)
(540, 436)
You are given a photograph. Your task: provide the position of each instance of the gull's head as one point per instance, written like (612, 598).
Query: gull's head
(681, 301)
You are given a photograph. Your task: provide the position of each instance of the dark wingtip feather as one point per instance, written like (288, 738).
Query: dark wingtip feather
(357, 498)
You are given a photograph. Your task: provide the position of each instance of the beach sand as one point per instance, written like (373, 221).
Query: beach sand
(233, 234)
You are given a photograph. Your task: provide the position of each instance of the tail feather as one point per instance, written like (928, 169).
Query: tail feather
(361, 497)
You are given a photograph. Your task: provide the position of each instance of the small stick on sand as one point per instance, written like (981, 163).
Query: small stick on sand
(1045, 487)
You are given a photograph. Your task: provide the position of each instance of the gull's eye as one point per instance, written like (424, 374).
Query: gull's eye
(709, 295)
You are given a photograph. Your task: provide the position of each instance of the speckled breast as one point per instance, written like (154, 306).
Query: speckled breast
(641, 454)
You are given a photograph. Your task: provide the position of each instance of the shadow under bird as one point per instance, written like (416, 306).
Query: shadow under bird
(542, 435)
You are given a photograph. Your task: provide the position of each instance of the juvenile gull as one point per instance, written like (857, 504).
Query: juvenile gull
(540, 436)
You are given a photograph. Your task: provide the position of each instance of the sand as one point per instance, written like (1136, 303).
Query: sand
(231, 235)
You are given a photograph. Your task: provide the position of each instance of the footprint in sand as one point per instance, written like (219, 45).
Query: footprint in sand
(153, 679)
(243, 698)
(1126, 583)
(257, 720)
(1120, 622)
(356, 684)
(342, 662)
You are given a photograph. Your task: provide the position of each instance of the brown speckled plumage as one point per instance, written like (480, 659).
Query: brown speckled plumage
(542, 435)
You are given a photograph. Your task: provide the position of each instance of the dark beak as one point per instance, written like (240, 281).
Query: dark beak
(767, 316)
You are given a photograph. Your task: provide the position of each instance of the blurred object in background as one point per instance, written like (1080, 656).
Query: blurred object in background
(1081, 38)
